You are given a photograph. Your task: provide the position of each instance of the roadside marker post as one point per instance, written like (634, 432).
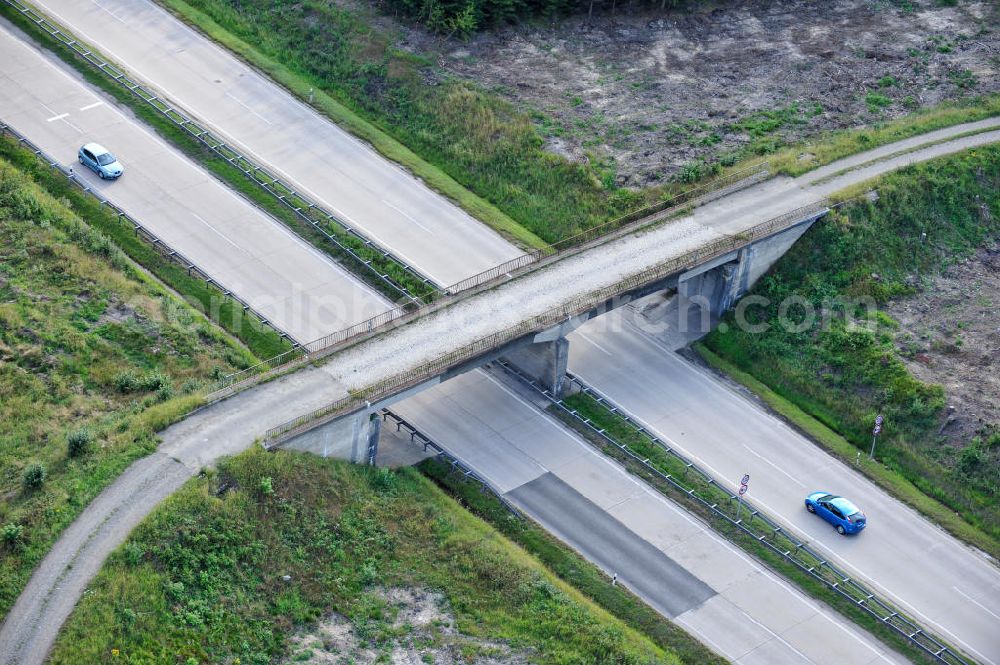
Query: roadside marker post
(875, 433)
(743, 490)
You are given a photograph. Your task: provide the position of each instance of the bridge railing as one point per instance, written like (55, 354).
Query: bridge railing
(380, 322)
(757, 525)
(318, 217)
(371, 394)
(695, 196)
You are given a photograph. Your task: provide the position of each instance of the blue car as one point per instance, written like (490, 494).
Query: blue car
(98, 159)
(838, 511)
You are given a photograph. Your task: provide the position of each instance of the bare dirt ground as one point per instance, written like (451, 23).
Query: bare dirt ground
(651, 91)
(949, 334)
(421, 630)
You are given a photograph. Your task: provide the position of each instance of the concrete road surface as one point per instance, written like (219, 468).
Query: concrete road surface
(945, 585)
(345, 175)
(674, 562)
(299, 289)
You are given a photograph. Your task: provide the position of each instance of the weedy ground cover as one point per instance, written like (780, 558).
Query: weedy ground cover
(95, 356)
(225, 569)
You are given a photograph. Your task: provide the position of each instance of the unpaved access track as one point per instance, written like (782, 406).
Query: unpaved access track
(233, 425)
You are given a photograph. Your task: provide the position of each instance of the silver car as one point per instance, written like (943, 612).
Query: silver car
(99, 159)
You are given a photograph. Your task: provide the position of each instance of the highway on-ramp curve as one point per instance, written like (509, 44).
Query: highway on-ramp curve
(301, 290)
(946, 586)
(345, 175)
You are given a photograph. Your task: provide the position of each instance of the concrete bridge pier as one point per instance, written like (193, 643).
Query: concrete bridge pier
(352, 437)
(546, 360)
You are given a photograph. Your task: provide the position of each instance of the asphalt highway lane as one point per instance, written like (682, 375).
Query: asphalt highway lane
(342, 173)
(302, 291)
(945, 585)
(674, 562)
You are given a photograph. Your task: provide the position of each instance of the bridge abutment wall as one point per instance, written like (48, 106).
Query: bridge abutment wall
(353, 437)
(716, 286)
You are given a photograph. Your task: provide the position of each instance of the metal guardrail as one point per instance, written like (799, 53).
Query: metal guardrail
(757, 524)
(316, 216)
(380, 322)
(373, 393)
(285, 361)
(305, 209)
(141, 231)
(419, 438)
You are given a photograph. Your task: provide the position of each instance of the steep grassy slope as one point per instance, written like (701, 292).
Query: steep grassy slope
(94, 357)
(201, 580)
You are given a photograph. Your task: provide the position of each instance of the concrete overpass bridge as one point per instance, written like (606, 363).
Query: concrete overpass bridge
(711, 255)
(526, 321)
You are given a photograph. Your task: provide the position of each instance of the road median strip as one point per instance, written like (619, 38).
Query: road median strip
(613, 431)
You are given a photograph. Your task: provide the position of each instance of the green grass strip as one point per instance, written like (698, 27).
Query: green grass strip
(889, 480)
(386, 145)
(261, 340)
(620, 431)
(230, 174)
(570, 566)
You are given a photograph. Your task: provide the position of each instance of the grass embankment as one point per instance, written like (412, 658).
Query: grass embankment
(847, 371)
(231, 175)
(261, 340)
(827, 148)
(570, 566)
(201, 579)
(95, 356)
(622, 433)
(465, 142)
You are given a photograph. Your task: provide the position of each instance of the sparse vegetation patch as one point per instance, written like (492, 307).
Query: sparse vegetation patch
(224, 573)
(94, 357)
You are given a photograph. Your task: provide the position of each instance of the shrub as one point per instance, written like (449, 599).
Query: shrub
(383, 481)
(971, 457)
(266, 486)
(12, 534)
(164, 393)
(876, 102)
(126, 382)
(155, 380)
(78, 441)
(34, 476)
(134, 553)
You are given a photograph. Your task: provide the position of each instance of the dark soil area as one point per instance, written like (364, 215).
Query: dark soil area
(647, 92)
(950, 335)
